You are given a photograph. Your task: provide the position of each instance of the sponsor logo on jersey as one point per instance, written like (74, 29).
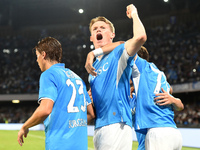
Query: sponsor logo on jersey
(77, 123)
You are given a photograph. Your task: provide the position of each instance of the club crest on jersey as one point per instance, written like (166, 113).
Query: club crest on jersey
(100, 70)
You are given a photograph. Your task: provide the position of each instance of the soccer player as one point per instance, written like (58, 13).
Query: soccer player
(157, 113)
(151, 102)
(110, 83)
(63, 100)
(155, 105)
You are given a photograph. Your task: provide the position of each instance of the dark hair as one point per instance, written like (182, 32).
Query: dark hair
(143, 53)
(52, 47)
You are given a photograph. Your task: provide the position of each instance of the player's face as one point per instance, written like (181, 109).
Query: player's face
(101, 34)
(40, 61)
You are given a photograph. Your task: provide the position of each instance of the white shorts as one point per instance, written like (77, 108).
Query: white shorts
(116, 136)
(163, 138)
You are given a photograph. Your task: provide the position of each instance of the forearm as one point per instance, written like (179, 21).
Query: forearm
(138, 29)
(139, 34)
(109, 47)
(177, 104)
(106, 49)
(37, 118)
(90, 113)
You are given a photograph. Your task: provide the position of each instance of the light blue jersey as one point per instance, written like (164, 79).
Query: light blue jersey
(148, 81)
(142, 134)
(66, 126)
(111, 88)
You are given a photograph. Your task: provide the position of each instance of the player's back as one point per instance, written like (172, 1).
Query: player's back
(149, 83)
(67, 122)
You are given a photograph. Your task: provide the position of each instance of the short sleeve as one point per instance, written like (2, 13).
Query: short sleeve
(48, 87)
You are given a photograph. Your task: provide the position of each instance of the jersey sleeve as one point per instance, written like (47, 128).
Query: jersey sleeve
(48, 87)
(121, 53)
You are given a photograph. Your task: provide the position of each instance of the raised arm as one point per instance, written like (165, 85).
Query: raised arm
(132, 45)
(139, 34)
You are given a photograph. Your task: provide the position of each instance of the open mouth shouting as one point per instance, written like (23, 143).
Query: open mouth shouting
(99, 36)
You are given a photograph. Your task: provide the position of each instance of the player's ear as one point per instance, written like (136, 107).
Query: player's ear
(43, 53)
(112, 35)
(91, 39)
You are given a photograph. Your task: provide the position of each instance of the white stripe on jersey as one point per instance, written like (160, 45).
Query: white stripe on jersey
(122, 63)
(135, 77)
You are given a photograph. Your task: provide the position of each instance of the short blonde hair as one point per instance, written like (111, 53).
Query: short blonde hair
(100, 18)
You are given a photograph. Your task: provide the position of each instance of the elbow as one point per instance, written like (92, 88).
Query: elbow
(143, 38)
(180, 108)
(46, 113)
(91, 116)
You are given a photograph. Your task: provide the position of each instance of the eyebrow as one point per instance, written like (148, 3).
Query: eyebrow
(95, 27)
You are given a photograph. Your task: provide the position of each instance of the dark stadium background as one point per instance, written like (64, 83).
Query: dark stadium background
(173, 30)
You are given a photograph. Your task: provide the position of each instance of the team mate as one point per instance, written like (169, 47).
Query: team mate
(63, 100)
(110, 83)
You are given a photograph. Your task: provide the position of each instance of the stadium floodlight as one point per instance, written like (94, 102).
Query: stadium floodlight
(166, 1)
(15, 50)
(84, 46)
(6, 51)
(15, 101)
(81, 11)
(91, 46)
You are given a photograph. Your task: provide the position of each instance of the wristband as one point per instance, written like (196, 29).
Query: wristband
(97, 52)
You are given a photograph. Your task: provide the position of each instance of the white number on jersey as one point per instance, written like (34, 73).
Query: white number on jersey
(71, 108)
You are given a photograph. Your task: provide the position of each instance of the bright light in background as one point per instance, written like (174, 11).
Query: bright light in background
(6, 51)
(91, 46)
(15, 50)
(194, 70)
(84, 46)
(80, 11)
(15, 101)
(165, 0)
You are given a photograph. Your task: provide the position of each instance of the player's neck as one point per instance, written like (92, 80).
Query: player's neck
(49, 64)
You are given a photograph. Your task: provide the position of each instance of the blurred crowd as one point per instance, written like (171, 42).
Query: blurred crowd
(175, 49)
(16, 114)
(189, 117)
(19, 70)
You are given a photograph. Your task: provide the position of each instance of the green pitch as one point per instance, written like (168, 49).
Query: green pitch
(36, 141)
